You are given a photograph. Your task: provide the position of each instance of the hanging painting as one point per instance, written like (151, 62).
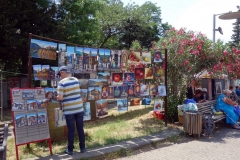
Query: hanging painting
(139, 73)
(87, 111)
(62, 54)
(157, 57)
(148, 73)
(146, 57)
(117, 78)
(158, 105)
(128, 78)
(161, 90)
(101, 108)
(122, 105)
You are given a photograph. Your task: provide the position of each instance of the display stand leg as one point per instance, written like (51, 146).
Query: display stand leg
(16, 147)
(50, 146)
(28, 146)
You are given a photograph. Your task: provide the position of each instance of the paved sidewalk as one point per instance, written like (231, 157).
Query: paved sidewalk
(131, 144)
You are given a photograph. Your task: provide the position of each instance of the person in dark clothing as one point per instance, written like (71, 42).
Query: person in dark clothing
(198, 96)
(237, 90)
(189, 93)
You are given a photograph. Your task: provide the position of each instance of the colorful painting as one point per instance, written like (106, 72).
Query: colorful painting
(104, 56)
(130, 90)
(84, 93)
(104, 75)
(37, 69)
(78, 64)
(87, 111)
(16, 92)
(144, 89)
(124, 63)
(104, 92)
(122, 105)
(137, 90)
(43, 83)
(20, 120)
(101, 108)
(134, 57)
(45, 73)
(158, 105)
(146, 57)
(218, 87)
(139, 73)
(153, 90)
(97, 82)
(31, 105)
(31, 119)
(146, 101)
(162, 90)
(42, 117)
(70, 57)
(110, 92)
(28, 94)
(128, 78)
(157, 57)
(117, 91)
(62, 54)
(94, 93)
(117, 78)
(135, 102)
(43, 49)
(116, 59)
(53, 73)
(51, 94)
(17, 106)
(83, 83)
(124, 91)
(148, 73)
(94, 52)
(42, 103)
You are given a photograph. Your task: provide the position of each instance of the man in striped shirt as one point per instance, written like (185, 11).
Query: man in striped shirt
(69, 95)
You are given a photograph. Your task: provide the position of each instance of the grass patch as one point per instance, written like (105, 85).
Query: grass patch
(117, 127)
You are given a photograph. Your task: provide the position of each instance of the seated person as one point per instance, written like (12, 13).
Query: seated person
(204, 93)
(233, 96)
(237, 90)
(198, 98)
(226, 105)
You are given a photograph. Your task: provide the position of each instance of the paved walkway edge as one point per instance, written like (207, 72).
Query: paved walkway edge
(133, 144)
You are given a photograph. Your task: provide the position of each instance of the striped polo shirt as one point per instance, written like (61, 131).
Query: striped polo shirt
(72, 101)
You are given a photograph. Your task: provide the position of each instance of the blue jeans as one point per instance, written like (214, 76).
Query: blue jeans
(70, 120)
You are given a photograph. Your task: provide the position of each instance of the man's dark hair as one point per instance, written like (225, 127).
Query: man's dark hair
(230, 87)
(237, 87)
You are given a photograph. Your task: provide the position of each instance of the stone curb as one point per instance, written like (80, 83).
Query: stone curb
(132, 144)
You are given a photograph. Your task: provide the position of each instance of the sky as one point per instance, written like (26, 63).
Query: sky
(196, 15)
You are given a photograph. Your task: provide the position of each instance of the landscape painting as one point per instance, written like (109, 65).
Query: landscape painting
(78, 64)
(94, 93)
(84, 93)
(101, 108)
(36, 72)
(20, 120)
(97, 82)
(62, 53)
(31, 119)
(104, 56)
(87, 111)
(103, 75)
(122, 105)
(44, 73)
(42, 117)
(116, 59)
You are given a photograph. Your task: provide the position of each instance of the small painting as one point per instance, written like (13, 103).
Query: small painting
(42, 117)
(131, 90)
(16, 92)
(94, 93)
(45, 73)
(124, 91)
(122, 105)
(83, 83)
(117, 78)
(31, 119)
(20, 120)
(128, 78)
(218, 87)
(135, 102)
(162, 90)
(87, 111)
(158, 105)
(146, 57)
(36, 72)
(104, 75)
(53, 73)
(134, 57)
(139, 73)
(78, 65)
(42, 103)
(51, 94)
(137, 90)
(104, 59)
(40, 91)
(146, 101)
(28, 94)
(117, 91)
(153, 90)
(157, 57)
(62, 53)
(101, 108)
(17, 106)
(110, 92)
(31, 105)
(84, 93)
(97, 82)
(43, 83)
(124, 57)
(148, 73)
(104, 92)
(144, 90)
(116, 59)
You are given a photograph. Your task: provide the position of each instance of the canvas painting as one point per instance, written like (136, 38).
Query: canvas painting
(110, 92)
(101, 108)
(31, 105)
(42, 117)
(128, 78)
(62, 54)
(83, 83)
(104, 92)
(124, 91)
(146, 57)
(135, 102)
(43, 83)
(158, 105)
(124, 57)
(40, 91)
(134, 57)
(104, 59)
(117, 91)
(157, 57)
(51, 94)
(16, 93)
(45, 73)
(146, 101)
(97, 82)
(17, 106)
(103, 75)
(70, 57)
(42, 103)
(131, 90)
(53, 73)
(137, 90)
(28, 94)
(20, 120)
(94, 93)
(144, 90)
(37, 72)
(153, 90)
(122, 105)
(94, 52)
(87, 111)
(93, 64)
(218, 87)
(31, 119)
(162, 90)
(43, 49)
(78, 64)
(148, 73)
(139, 73)
(116, 59)
(117, 78)
(84, 93)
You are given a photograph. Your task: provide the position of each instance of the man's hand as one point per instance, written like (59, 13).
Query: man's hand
(59, 97)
